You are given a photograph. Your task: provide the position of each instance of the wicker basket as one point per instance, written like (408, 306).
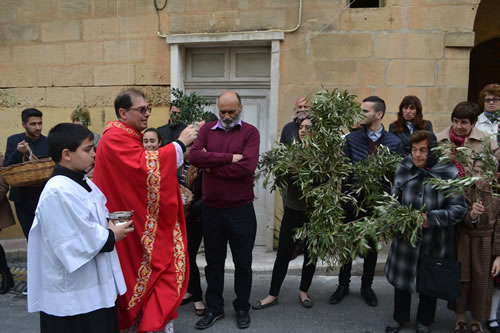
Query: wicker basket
(28, 173)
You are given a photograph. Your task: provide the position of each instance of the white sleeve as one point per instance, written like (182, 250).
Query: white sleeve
(180, 154)
(66, 225)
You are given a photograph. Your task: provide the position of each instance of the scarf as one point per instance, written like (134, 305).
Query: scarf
(410, 126)
(459, 142)
(492, 116)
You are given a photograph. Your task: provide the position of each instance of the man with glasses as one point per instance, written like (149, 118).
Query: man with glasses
(487, 121)
(154, 257)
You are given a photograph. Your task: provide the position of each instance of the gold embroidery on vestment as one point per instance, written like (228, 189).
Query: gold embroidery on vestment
(119, 124)
(149, 234)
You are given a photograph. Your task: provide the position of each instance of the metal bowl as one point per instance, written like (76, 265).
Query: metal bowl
(121, 215)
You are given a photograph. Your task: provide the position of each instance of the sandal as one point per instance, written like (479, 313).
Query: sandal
(476, 328)
(460, 327)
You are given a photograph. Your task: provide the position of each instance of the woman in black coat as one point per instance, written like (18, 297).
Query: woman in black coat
(410, 119)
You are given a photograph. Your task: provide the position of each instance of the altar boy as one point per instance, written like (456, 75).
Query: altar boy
(74, 274)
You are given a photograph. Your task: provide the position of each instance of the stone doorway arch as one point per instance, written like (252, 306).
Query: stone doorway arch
(485, 56)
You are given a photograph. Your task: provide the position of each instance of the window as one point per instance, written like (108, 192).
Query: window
(366, 3)
(228, 64)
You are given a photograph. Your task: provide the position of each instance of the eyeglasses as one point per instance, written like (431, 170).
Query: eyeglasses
(142, 109)
(492, 100)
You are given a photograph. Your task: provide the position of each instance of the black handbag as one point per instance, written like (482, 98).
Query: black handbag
(440, 277)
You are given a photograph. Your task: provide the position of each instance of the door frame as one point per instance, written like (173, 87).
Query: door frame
(179, 43)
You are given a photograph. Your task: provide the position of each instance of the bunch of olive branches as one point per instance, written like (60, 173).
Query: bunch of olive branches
(448, 152)
(330, 183)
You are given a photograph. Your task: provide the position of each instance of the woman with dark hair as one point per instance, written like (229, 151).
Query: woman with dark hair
(152, 139)
(411, 190)
(295, 216)
(410, 119)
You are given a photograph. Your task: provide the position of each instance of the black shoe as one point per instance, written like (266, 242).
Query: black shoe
(209, 319)
(242, 319)
(369, 296)
(7, 282)
(339, 294)
(393, 327)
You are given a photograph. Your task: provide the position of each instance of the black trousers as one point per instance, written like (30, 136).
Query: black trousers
(25, 211)
(291, 219)
(238, 226)
(194, 236)
(402, 303)
(369, 265)
(98, 321)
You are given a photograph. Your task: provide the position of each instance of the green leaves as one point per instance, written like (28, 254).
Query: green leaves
(191, 107)
(318, 166)
(448, 152)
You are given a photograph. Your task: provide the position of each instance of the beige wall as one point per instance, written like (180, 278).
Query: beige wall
(55, 54)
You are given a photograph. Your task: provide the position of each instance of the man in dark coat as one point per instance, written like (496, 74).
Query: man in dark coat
(19, 148)
(440, 210)
(360, 145)
(290, 131)
(172, 130)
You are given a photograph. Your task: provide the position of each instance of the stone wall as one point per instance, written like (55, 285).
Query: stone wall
(416, 47)
(56, 54)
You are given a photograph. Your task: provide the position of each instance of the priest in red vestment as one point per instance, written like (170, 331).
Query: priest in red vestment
(154, 257)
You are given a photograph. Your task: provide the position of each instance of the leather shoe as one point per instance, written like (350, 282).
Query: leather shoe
(209, 319)
(339, 294)
(242, 319)
(369, 296)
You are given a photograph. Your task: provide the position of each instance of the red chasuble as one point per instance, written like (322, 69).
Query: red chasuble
(154, 257)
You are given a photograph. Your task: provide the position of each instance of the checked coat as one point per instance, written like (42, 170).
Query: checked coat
(409, 188)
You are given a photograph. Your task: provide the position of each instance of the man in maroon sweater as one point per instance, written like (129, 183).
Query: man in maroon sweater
(228, 151)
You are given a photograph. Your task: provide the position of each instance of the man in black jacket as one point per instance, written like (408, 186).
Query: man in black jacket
(359, 145)
(291, 130)
(172, 130)
(19, 148)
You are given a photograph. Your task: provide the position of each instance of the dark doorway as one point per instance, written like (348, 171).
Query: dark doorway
(484, 67)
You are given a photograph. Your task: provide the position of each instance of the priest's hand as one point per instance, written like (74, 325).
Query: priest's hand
(120, 229)
(188, 135)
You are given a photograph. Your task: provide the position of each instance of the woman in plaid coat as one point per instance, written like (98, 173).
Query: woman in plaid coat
(402, 261)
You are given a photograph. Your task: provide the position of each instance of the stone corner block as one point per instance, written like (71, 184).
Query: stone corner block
(459, 39)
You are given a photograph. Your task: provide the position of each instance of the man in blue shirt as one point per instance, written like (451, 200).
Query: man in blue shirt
(360, 144)
(18, 150)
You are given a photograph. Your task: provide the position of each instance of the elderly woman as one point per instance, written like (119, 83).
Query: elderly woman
(478, 250)
(294, 217)
(402, 261)
(489, 98)
(410, 119)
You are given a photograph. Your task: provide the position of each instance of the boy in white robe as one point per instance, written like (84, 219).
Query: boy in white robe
(74, 275)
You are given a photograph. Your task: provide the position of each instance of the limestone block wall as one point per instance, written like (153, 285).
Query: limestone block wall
(56, 54)
(416, 47)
